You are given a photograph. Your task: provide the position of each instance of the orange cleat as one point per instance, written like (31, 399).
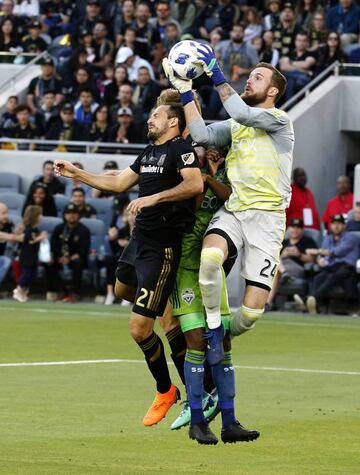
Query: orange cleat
(160, 406)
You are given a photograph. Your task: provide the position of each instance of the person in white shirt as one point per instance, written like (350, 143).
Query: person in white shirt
(133, 63)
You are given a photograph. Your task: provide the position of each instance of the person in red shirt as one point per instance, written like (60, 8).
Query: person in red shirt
(342, 203)
(302, 204)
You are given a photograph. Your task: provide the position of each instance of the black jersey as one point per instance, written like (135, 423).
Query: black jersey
(29, 249)
(158, 167)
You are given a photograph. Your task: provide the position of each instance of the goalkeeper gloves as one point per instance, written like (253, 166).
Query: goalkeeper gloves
(206, 57)
(184, 86)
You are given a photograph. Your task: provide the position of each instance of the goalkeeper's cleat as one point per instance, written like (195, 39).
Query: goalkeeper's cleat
(160, 406)
(235, 432)
(202, 433)
(211, 409)
(184, 417)
(215, 347)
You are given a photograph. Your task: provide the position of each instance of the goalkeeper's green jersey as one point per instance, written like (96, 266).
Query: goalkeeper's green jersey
(192, 242)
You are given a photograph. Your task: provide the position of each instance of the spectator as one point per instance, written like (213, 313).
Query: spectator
(48, 178)
(107, 77)
(70, 247)
(163, 17)
(317, 32)
(126, 131)
(298, 66)
(306, 11)
(302, 205)
(82, 80)
(8, 119)
(337, 259)
(48, 80)
(29, 250)
(33, 43)
(264, 49)
(79, 59)
(85, 209)
(118, 240)
(329, 53)
(66, 128)
(237, 58)
(183, 11)
(124, 18)
(58, 17)
(47, 113)
(272, 19)
(129, 39)
(133, 62)
(253, 22)
(6, 234)
(23, 128)
(27, 8)
(146, 91)
(88, 43)
(286, 31)
(85, 107)
(39, 195)
(92, 16)
(112, 89)
(220, 13)
(172, 36)
(353, 224)
(104, 48)
(100, 128)
(7, 13)
(125, 99)
(9, 40)
(293, 257)
(73, 183)
(344, 19)
(147, 37)
(342, 203)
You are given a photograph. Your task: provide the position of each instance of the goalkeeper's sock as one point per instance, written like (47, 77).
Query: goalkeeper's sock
(224, 378)
(194, 377)
(153, 349)
(177, 344)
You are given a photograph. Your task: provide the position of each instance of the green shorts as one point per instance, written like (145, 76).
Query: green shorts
(187, 302)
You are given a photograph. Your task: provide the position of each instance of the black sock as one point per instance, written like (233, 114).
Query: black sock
(177, 344)
(209, 384)
(153, 349)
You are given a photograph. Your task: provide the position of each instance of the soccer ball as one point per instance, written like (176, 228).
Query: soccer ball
(181, 58)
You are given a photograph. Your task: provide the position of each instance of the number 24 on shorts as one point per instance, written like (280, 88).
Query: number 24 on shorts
(265, 270)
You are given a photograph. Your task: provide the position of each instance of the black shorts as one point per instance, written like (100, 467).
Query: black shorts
(156, 268)
(125, 270)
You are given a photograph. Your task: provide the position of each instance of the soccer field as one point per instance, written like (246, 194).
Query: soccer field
(298, 382)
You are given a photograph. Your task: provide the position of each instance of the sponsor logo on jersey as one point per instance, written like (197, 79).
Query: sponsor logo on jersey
(151, 169)
(188, 296)
(188, 158)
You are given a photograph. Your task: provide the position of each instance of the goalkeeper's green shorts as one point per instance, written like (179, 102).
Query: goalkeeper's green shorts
(187, 302)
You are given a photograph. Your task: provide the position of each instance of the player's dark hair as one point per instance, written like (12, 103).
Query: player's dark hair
(278, 80)
(177, 110)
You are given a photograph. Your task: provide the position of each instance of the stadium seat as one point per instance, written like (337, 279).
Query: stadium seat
(104, 209)
(314, 234)
(14, 201)
(10, 182)
(60, 203)
(97, 232)
(15, 218)
(48, 223)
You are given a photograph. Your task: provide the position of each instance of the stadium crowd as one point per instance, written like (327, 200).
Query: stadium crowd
(320, 257)
(103, 72)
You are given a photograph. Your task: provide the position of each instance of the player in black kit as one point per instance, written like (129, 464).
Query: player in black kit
(168, 175)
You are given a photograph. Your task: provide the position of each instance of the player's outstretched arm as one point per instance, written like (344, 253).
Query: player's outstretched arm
(236, 108)
(118, 183)
(218, 134)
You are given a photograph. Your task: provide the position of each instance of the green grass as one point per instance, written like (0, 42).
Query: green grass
(86, 419)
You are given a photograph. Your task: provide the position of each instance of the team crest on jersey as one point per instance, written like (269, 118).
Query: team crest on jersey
(188, 158)
(188, 296)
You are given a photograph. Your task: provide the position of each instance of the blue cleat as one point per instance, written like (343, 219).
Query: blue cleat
(215, 347)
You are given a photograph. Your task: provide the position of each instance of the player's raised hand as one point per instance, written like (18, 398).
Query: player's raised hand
(182, 85)
(65, 168)
(206, 57)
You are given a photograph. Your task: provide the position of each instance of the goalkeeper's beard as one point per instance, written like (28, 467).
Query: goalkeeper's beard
(254, 99)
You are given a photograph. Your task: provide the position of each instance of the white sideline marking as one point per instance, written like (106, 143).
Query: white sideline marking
(117, 360)
(125, 315)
